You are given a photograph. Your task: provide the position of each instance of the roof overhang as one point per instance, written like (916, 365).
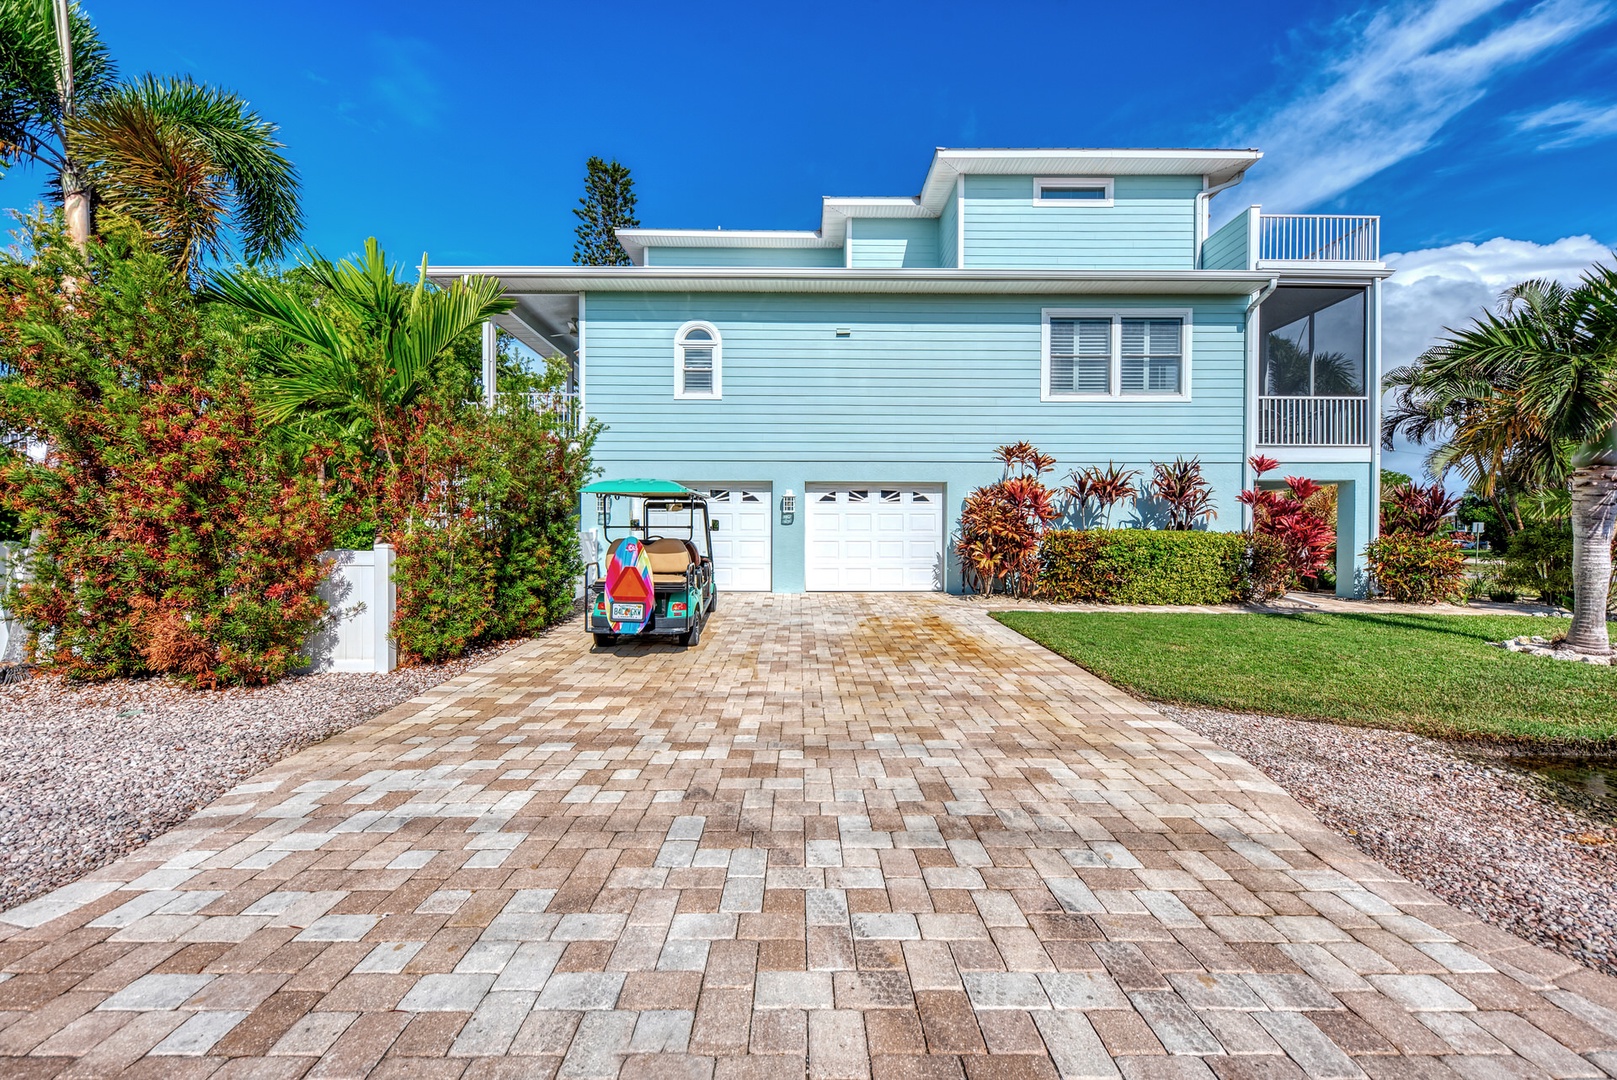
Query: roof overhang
(520, 280)
(1216, 166)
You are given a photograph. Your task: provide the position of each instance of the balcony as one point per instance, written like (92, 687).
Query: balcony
(1313, 421)
(1318, 238)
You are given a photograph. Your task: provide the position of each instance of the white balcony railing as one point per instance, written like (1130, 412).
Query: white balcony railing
(1313, 421)
(1319, 238)
(561, 402)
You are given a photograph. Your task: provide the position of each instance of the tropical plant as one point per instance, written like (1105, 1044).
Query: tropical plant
(1001, 524)
(52, 64)
(1539, 559)
(356, 357)
(607, 206)
(1527, 396)
(485, 513)
(1184, 491)
(1305, 535)
(1104, 488)
(1415, 567)
(182, 160)
(171, 532)
(1412, 508)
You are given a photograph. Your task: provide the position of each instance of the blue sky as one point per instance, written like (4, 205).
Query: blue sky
(462, 129)
(1484, 132)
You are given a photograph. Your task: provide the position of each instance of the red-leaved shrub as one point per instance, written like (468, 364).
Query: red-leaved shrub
(1305, 536)
(1001, 524)
(171, 533)
(1420, 511)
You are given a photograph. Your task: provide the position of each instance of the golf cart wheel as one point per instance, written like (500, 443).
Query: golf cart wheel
(713, 604)
(606, 641)
(693, 636)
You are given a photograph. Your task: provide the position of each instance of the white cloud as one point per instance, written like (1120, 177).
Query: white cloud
(1447, 287)
(1399, 78)
(1571, 123)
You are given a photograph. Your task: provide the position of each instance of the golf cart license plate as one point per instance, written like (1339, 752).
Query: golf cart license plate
(628, 612)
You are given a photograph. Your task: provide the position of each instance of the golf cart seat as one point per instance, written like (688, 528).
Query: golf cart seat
(670, 559)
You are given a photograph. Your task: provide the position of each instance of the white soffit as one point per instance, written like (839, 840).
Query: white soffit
(520, 280)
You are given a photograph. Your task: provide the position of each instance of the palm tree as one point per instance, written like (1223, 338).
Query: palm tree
(52, 64)
(1529, 394)
(362, 354)
(186, 162)
(183, 160)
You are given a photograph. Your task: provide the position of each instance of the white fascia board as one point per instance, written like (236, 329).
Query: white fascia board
(1217, 165)
(583, 279)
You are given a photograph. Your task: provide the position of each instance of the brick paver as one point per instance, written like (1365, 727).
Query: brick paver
(844, 837)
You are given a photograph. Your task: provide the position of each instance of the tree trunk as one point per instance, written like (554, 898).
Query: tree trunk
(1594, 516)
(76, 212)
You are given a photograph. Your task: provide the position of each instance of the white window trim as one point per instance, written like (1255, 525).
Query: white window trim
(1115, 376)
(1042, 182)
(679, 361)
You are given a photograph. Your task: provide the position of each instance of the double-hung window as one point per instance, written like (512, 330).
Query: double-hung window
(1115, 354)
(697, 355)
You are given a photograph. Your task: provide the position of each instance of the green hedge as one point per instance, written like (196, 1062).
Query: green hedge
(1144, 566)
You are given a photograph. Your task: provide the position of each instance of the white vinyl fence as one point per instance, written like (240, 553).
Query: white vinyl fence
(355, 636)
(362, 596)
(13, 636)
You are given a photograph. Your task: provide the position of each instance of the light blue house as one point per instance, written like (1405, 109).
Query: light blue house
(840, 391)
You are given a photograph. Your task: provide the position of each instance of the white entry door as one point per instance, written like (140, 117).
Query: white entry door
(874, 539)
(740, 517)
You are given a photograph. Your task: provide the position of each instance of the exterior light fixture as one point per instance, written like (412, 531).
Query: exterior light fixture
(788, 507)
(601, 514)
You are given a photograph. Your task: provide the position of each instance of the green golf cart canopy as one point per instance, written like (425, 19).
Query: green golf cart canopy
(638, 487)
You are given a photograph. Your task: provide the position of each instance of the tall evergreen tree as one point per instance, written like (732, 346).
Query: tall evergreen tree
(607, 205)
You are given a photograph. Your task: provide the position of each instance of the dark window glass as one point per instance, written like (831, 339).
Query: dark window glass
(1313, 342)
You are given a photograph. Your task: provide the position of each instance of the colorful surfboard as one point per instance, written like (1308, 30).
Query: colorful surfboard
(628, 586)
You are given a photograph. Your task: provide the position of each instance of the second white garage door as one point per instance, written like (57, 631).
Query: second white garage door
(740, 518)
(874, 539)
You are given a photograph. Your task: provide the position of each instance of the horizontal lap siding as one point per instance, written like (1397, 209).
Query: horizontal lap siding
(1151, 225)
(919, 379)
(893, 242)
(718, 256)
(949, 229)
(1226, 249)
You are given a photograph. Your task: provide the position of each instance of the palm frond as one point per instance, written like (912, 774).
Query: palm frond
(277, 304)
(32, 112)
(158, 174)
(436, 320)
(245, 147)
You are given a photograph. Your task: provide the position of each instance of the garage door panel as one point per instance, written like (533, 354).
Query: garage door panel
(741, 538)
(874, 538)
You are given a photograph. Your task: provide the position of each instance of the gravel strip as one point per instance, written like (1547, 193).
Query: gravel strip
(1486, 839)
(88, 773)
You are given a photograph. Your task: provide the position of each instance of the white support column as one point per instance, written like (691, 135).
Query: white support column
(1373, 362)
(490, 361)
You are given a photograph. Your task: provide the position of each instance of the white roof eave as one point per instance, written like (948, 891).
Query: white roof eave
(554, 279)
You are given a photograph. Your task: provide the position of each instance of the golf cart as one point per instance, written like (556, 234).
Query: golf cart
(653, 568)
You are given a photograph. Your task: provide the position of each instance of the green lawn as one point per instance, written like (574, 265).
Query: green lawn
(1433, 674)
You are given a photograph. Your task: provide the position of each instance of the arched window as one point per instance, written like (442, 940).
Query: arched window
(697, 361)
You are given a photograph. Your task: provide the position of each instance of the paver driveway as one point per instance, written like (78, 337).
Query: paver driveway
(846, 835)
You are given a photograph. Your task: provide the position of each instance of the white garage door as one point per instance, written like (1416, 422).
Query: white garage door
(740, 518)
(875, 539)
